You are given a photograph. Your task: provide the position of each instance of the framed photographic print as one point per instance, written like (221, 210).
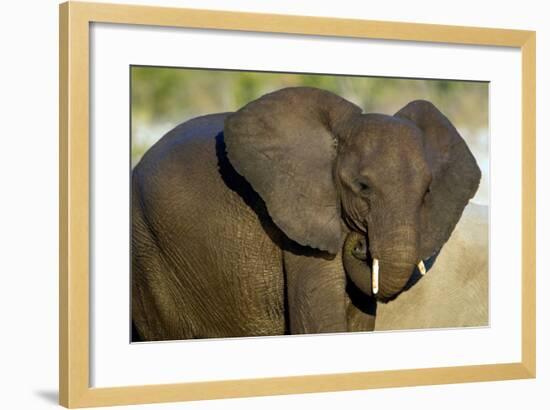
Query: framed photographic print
(258, 204)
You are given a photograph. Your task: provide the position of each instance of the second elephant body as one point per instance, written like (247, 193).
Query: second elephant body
(456, 291)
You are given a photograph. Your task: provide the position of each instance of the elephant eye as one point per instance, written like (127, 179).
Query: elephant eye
(363, 187)
(426, 193)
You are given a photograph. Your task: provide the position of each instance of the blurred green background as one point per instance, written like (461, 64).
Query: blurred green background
(162, 98)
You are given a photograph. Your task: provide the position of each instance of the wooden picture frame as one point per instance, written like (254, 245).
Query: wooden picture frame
(75, 19)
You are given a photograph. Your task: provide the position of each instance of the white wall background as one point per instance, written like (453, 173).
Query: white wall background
(28, 203)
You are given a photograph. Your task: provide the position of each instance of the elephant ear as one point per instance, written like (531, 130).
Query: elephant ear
(455, 174)
(284, 144)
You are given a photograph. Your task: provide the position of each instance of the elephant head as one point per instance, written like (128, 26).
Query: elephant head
(385, 190)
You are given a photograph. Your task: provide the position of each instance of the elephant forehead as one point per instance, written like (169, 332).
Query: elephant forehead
(388, 135)
(383, 143)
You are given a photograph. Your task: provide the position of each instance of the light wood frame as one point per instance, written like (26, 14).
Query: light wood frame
(75, 19)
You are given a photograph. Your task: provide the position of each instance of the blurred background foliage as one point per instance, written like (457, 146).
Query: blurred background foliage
(163, 97)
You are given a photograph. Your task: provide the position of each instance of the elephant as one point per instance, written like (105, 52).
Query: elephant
(296, 214)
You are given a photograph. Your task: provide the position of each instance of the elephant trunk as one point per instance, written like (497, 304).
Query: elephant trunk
(396, 257)
(393, 276)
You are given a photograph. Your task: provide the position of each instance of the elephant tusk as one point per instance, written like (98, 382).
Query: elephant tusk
(422, 268)
(375, 276)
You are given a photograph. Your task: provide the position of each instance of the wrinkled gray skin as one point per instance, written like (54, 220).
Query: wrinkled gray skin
(266, 221)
